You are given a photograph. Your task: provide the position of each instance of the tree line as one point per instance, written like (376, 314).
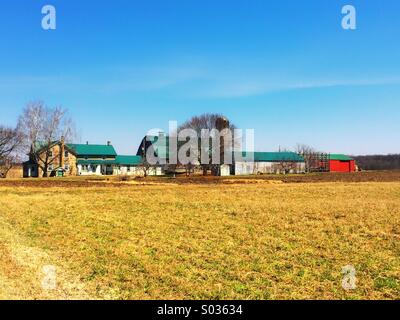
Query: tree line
(378, 162)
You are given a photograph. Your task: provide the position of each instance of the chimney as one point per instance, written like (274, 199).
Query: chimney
(109, 143)
(62, 151)
(87, 142)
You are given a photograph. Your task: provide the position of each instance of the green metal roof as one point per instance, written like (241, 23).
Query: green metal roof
(340, 157)
(275, 156)
(128, 160)
(119, 160)
(92, 150)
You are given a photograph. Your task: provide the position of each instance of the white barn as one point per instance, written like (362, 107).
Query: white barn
(268, 163)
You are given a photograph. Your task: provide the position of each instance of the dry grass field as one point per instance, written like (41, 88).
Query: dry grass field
(262, 240)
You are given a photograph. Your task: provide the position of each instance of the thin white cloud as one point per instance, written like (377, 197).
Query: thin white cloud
(107, 80)
(184, 81)
(153, 78)
(236, 89)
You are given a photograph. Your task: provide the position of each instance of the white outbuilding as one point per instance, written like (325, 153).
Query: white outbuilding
(268, 163)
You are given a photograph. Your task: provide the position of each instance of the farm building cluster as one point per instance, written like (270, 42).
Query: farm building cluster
(65, 159)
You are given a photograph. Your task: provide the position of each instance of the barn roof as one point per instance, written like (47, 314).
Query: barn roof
(340, 157)
(275, 156)
(161, 149)
(92, 150)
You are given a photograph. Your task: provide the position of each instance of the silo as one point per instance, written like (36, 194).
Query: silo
(221, 124)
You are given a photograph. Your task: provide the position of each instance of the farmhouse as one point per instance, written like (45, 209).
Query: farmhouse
(56, 158)
(93, 159)
(63, 159)
(341, 163)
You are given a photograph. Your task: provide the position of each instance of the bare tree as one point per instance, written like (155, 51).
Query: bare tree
(198, 123)
(41, 126)
(6, 164)
(304, 149)
(315, 161)
(285, 165)
(10, 142)
(146, 167)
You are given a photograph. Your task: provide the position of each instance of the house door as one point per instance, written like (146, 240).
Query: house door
(109, 170)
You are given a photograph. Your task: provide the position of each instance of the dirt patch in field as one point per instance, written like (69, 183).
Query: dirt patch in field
(57, 183)
(366, 176)
(251, 181)
(79, 182)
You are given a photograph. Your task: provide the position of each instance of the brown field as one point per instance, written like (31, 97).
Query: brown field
(366, 176)
(161, 238)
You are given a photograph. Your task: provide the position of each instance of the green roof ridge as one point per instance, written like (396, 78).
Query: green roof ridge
(340, 157)
(92, 149)
(287, 156)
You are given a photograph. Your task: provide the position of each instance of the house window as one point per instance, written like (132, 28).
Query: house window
(129, 168)
(66, 167)
(50, 167)
(66, 154)
(50, 153)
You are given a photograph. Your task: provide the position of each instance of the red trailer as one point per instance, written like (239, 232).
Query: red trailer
(341, 163)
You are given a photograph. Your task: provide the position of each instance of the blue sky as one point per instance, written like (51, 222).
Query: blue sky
(285, 68)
